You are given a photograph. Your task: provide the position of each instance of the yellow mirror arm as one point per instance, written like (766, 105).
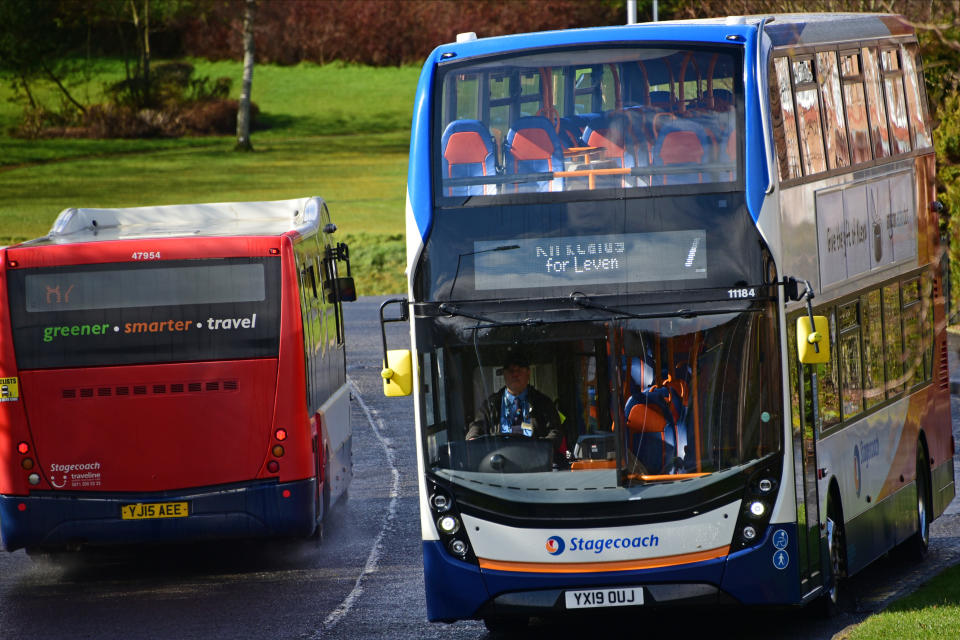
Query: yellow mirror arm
(386, 373)
(814, 337)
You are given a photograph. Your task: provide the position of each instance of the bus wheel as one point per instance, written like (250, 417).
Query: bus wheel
(506, 625)
(918, 544)
(836, 550)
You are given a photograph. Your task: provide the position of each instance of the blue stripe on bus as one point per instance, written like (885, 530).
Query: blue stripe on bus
(248, 510)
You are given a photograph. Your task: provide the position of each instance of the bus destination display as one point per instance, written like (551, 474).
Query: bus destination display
(602, 259)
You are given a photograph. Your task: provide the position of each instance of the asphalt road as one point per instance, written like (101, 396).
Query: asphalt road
(365, 580)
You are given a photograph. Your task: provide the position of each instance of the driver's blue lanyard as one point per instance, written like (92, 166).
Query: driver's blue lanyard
(515, 414)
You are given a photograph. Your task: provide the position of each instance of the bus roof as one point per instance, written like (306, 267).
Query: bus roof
(221, 219)
(797, 29)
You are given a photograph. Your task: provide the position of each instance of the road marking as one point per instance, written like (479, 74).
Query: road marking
(373, 559)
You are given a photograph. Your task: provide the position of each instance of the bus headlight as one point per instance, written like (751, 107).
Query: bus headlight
(440, 502)
(33, 478)
(757, 508)
(749, 533)
(448, 525)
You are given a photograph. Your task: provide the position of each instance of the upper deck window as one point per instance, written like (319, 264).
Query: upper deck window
(836, 108)
(588, 119)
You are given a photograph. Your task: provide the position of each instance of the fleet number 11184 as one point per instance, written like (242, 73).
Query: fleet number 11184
(742, 293)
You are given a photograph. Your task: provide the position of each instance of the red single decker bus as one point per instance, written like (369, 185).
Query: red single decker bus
(173, 373)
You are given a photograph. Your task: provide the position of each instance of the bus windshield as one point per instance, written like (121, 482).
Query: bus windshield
(587, 119)
(609, 402)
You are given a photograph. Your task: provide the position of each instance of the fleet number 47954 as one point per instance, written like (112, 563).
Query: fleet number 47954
(146, 255)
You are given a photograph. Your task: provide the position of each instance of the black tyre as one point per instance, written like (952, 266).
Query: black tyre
(831, 603)
(919, 543)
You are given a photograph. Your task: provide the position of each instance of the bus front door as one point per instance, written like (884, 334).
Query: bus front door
(808, 505)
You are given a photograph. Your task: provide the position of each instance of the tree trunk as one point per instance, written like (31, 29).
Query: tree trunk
(243, 112)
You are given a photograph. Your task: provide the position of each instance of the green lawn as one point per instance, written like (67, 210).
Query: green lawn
(932, 612)
(340, 132)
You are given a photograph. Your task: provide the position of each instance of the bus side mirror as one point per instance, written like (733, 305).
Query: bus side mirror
(340, 290)
(809, 339)
(397, 373)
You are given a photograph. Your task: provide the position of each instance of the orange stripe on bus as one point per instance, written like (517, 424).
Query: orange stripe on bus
(597, 567)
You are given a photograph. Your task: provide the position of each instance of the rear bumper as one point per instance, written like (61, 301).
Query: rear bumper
(248, 510)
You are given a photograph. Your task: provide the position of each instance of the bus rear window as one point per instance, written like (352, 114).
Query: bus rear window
(189, 310)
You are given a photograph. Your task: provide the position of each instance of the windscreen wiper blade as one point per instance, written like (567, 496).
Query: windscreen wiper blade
(584, 302)
(453, 310)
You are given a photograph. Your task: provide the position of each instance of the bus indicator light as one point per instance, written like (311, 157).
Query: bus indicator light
(23, 448)
(749, 533)
(280, 434)
(458, 547)
(278, 451)
(27, 463)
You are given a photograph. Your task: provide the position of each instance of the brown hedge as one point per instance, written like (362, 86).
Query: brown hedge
(377, 32)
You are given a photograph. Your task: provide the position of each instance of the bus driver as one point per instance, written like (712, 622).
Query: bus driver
(518, 408)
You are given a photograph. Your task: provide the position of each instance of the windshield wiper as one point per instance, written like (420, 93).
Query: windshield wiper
(584, 302)
(453, 310)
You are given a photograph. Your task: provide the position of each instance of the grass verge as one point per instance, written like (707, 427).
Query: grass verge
(932, 612)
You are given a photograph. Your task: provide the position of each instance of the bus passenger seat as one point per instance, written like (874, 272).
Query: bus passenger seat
(570, 132)
(533, 146)
(682, 142)
(618, 140)
(469, 151)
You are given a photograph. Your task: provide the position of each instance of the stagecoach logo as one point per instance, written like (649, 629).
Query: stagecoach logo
(863, 453)
(856, 469)
(555, 545)
(75, 476)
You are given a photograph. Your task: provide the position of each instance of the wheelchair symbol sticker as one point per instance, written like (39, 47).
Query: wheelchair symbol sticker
(780, 539)
(781, 559)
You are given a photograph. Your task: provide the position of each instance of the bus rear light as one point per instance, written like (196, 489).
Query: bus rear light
(274, 251)
(34, 479)
(23, 448)
(21, 507)
(273, 466)
(280, 434)
(13, 264)
(286, 493)
(278, 451)
(27, 463)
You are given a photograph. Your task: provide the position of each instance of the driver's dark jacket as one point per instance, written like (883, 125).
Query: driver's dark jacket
(543, 417)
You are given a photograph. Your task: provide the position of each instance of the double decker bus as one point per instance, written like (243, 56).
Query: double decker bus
(713, 245)
(173, 373)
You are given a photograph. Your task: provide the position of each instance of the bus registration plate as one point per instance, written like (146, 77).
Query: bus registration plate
(618, 597)
(153, 510)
